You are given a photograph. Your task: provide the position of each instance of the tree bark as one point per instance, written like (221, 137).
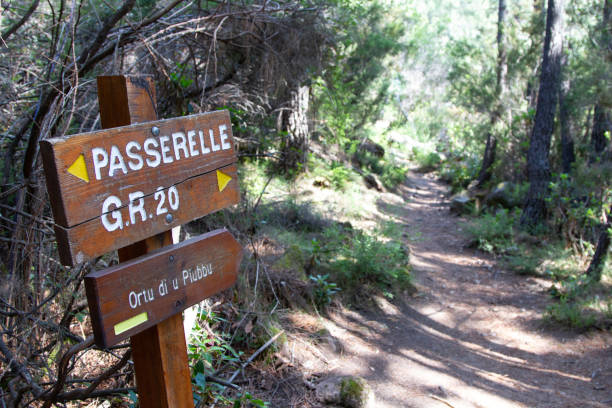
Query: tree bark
(601, 117)
(603, 246)
(601, 125)
(488, 158)
(538, 166)
(294, 121)
(568, 155)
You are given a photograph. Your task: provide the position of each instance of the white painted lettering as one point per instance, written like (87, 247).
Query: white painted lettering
(185, 276)
(205, 150)
(160, 197)
(116, 162)
(148, 144)
(148, 295)
(136, 206)
(225, 144)
(100, 160)
(215, 147)
(163, 288)
(179, 142)
(133, 300)
(165, 149)
(116, 214)
(136, 163)
(193, 151)
(173, 198)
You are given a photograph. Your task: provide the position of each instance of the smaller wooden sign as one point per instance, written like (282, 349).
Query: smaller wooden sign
(130, 297)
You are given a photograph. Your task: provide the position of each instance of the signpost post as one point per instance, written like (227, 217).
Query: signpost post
(124, 188)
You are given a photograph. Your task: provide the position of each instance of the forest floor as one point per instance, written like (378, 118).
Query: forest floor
(472, 336)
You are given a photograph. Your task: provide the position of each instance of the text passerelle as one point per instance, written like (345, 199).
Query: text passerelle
(155, 151)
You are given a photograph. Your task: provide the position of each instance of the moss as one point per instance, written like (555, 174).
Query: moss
(294, 259)
(353, 392)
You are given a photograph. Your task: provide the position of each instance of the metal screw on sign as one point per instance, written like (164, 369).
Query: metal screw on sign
(169, 218)
(155, 131)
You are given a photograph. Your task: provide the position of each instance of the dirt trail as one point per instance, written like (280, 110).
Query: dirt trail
(473, 337)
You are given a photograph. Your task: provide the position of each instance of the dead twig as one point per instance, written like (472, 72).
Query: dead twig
(245, 364)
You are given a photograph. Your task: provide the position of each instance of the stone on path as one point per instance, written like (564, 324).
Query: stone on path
(345, 391)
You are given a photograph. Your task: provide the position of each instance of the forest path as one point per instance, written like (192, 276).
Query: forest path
(473, 336)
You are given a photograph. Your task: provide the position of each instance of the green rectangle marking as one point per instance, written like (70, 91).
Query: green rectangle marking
(130, 323)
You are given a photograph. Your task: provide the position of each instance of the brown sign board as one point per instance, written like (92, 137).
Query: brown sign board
(113, 187)
(130, 297)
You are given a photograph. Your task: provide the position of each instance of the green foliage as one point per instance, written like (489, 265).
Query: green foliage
(577, 204)
(353, 87)
(392, 175)
(459, 170)
(580, 302)
(570, 314)
(207, 352)
(494, 233)
(471, 76)
(426, 161)
(362, 259)
(336, 173)
(324, 290)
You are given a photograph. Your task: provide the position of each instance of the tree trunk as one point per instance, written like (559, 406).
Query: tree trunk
(568, 155)
(488, 158)
(601, 125)
(603, 246)
(538, 166)
(601, 117)
(294, 121)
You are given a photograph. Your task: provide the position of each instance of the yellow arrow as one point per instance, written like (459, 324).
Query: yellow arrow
(79, 169)
(222, 180)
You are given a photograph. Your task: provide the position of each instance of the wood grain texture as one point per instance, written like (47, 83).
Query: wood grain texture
(172, 279)
(198, 196)
(162, 371)
(159, 353)
(75, 200)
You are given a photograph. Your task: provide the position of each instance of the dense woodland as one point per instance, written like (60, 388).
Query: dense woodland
(510, 102)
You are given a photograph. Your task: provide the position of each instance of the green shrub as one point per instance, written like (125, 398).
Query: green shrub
(339, 175)
(366, 260)
(494, 233)
(426, 161)
(459, 172)
(324, 290)
(570, 314)
(392, 176)
(579, 301)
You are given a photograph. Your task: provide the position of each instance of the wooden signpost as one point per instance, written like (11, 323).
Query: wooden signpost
(124, 188)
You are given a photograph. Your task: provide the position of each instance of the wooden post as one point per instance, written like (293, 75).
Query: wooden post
(160, 352)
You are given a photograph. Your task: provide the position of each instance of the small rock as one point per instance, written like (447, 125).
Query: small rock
(320, 181)
(372, 147)
(461, 203)
(371, 182)
(501, 196)
(345, 391)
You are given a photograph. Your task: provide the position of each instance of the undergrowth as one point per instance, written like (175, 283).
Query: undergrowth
(577, 301)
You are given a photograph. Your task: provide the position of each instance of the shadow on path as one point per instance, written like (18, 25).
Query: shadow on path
(474, 337)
